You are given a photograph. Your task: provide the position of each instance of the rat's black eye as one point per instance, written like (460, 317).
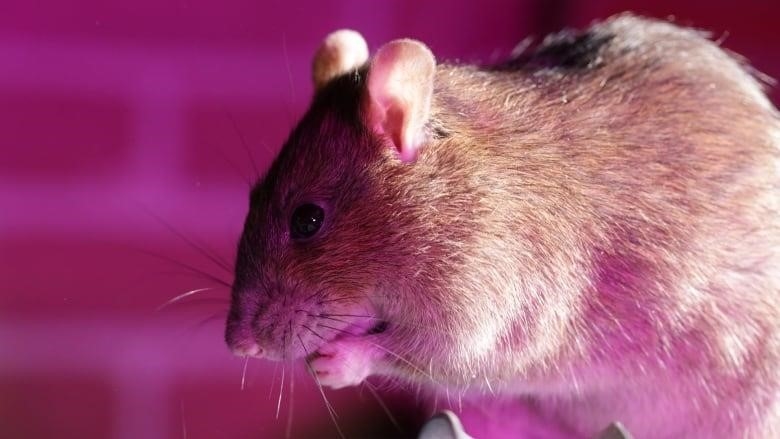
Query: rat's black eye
(306, 221)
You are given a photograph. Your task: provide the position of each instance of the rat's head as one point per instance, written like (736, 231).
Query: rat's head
(351, 231)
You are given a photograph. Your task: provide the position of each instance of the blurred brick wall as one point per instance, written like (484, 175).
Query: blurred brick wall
(112, 115)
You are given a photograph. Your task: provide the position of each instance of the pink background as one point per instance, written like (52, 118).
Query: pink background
(113, 115)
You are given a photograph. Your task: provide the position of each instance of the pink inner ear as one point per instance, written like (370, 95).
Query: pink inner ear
(394, 127)
(400, 85)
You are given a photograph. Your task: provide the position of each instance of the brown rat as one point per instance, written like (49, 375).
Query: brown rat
(593, 227)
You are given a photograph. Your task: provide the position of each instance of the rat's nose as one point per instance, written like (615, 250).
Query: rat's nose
(248, 350)
(239, 338)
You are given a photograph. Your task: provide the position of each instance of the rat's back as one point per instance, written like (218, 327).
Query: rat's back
(649, 157)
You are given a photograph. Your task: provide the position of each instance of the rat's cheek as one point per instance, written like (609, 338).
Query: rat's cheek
(346, 362)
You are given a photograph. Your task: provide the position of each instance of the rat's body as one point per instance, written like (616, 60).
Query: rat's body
(595, 226)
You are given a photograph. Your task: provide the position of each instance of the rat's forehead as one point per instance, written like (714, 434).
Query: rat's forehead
(322, 148)
(313, 155)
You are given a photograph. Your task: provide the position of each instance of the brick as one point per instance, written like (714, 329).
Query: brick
(189, 22)
(470, 31)
(52, 136)
(49, 275)
(52, 405)
(214, 148)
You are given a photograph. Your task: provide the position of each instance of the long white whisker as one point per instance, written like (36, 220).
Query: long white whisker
(182, 296)
(382, 404)
(201, 248)
(243, 373)
(217, 315)
(183, 423)
(288, 430)
(289, 72)
(279, 401)
(244, 144)
(331, 411)
(273, 380)
(409, 363)
(489, 386)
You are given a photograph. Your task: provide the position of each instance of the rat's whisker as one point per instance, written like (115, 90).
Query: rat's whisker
(314, 332)
(339, 299)
(382, 404)
(331, 411)
(328, 318)
(289, 74)
(281, 389)
(318, 292)
(183, 423)
(407, 362)
(202, 249)
(221, 315)
(207, 300)
(288, 430)
(351, 315)
(490, 388)
(394, 354)
(244, 144)
(399, 323)
(187, 267)
(273, 380)
(235, 167)
(182, 296)
(341, 331)
(243, 373)
(199, 275)
(211, 302)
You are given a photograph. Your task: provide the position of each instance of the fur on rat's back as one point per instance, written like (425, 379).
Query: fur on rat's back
(647, 171)
(646, 166)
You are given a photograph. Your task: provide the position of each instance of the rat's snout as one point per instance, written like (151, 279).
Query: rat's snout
(250, 349)
(259, 327)
(242, 345)
(240, 339)
(278, 324)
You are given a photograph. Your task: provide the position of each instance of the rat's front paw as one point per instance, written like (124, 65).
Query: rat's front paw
(345, 362)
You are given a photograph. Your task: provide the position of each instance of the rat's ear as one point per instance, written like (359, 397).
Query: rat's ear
(341, 52)
(400, 87)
